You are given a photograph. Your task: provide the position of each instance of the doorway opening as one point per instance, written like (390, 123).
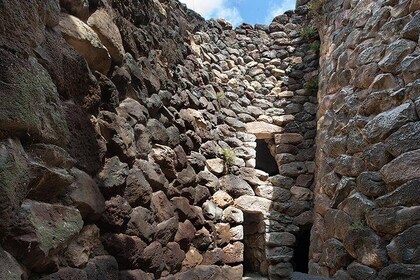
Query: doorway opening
(301, 254)
(264, 160)
(255, 261)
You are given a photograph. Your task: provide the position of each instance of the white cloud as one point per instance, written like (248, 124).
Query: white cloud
(278, 9)
(215, 9)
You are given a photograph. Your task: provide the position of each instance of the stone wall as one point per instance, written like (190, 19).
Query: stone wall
(129, 141)
(367, 197)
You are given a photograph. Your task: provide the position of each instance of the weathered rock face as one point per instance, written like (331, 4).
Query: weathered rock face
(367, 132)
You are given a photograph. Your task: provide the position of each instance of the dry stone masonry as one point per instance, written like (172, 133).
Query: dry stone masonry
(139, 141)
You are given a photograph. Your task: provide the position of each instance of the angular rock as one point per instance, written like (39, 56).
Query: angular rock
(293, 169)
(222, 199)
(41, 230)
(233, 253)
(102, 267)
(113, 175)
(233, 215)
(370, 184)
(385, 123)
(393, 220)
(367, 247)
(162, 207)
(404, 168)
(27, 87)
(280, 239)
(280, 270)
(14, 179)
(361, 272)
(349, 166)
(67, 273)
(136, 274)
(356, 205)
(78, 8)
(128, 257)
(9, 267)
(406, 195)
(86, 42)
(263, 130)
(173, 257)
(279, 254)
(117, 213)
(402, 271)
(334, 255)
(81, 248)
(405, 247)
(394, 53)
(153, 174)
(405, 139)
(142, 224)
(84, 194)
(102, 23)
(192, 258)
(253, 204)
(138, 190)
(235, 186)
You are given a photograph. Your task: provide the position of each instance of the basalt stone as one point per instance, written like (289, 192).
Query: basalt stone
(334, 255)
(82, 247)
(152, 258)
(384, 124)
(161, 206)
(40, 231)
(112, 176)
(281, 181)
(293, 169)
(273, 193)
(405, 139)
(212, 257)
(393, 220)
(404, 168)
(401, 271)
(370, 184)
(349, 166)
(410, 66)
(280, 270)
(405, 195)
(136, 274)
(185, 234)
(279, 254)
(142, 224)
(235, 186)
(223, 235)
(22, 85)
(376, 156)
(367, 247)
(153, 174)
(356, 205)
(280, 239)
(84, 194)
(173, 257)
(9, 267)
(67, 273)
(102, 267)
(14, 179)
(192, 259)
(233, 253)
(138, 190)
(117, 213)
(127, 250)
(337, 223)
(361, 272)
(405, 247)
(394, 54)
(233, 215)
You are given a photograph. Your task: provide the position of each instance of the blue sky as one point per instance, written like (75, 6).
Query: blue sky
(238, 11)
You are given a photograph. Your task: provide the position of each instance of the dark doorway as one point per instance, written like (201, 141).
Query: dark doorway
(301, 254)
(254, 241)
(264, 160)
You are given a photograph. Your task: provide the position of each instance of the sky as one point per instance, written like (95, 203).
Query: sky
(239, 11)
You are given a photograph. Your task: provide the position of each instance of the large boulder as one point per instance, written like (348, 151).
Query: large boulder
(102, 23)
(393, 220)
(41, 231)
(86, 42)
(30, 106)
(14, 178)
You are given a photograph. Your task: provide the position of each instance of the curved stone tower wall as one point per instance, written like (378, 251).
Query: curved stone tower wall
(368, 147)
(129, 142)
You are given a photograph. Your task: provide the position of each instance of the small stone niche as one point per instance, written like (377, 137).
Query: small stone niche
(255, 261)
(264, 160)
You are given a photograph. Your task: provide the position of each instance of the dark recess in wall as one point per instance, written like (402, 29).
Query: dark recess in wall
(264, 160)
(301, 254)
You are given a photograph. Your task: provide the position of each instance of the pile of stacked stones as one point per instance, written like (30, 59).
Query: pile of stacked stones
(115, 121)
(367, 205)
